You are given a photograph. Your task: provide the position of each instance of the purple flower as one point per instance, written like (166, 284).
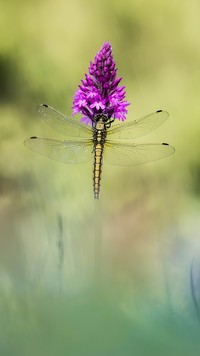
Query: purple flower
(100, 91)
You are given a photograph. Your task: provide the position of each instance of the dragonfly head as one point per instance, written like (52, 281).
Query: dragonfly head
(101, 118)
(104, 120)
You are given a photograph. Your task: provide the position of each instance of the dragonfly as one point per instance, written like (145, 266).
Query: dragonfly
(100, 141)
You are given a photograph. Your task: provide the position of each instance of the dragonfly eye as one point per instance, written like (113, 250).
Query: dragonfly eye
(97, 118)
(105, 118)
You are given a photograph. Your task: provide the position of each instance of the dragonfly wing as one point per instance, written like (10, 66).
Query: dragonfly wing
(137, 128)
(123, 154)
(62, 151)
(63, 124)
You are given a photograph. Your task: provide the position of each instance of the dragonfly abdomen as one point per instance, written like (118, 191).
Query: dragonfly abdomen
(98, 157)
(99, 140)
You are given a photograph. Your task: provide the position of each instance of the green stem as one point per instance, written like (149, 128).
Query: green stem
(98, 239)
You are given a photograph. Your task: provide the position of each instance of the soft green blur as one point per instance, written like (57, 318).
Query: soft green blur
(145, 300)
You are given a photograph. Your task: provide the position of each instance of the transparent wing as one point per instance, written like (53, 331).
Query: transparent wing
(122, 154)
(137, 128)
(63, 151)
(63, 124)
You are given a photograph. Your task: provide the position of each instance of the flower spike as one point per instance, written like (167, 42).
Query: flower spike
(100, 92)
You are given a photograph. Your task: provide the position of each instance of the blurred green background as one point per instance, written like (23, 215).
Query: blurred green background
(146, 300)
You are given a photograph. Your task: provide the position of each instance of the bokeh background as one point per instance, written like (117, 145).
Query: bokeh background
(144, 298)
